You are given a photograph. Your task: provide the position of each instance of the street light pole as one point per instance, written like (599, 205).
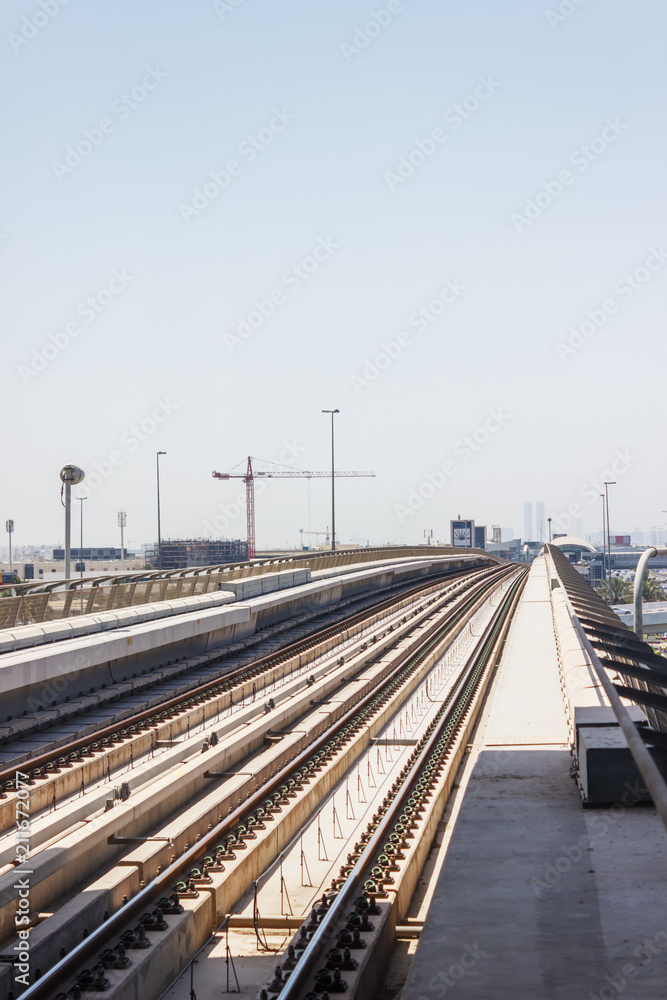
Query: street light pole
(606, 490)
(549, 522)
(333, 495)
(159, 537)
(9, 525)
(81, 499)
(70, 475)
(604, 535)
(122, 521)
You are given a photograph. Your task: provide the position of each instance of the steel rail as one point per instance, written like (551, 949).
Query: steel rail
(44, 988)
(353, 886)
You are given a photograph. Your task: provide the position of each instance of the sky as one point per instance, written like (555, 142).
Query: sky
(221, 217)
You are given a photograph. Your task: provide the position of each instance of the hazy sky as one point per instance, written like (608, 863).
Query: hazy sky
(447, 220)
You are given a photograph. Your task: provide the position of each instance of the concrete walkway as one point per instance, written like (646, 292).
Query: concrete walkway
(539, 899)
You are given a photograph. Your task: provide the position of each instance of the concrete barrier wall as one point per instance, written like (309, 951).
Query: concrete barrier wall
(580, 684)
(27, 636)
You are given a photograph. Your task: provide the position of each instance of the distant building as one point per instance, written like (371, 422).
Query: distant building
(181, 553)
(534, 528)
(90, 554)
(52, 570)
(467, 535)
(527, 521)
(530, 550)
(462, 534)
(508, 549)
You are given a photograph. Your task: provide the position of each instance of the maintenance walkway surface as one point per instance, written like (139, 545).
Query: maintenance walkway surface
(539, 898)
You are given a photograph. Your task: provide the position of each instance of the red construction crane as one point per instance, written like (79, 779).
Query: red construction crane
(249, 477)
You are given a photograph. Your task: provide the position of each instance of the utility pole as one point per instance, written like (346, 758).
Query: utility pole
(159, 537)
(333, 475)
(122, 521)
(606, 490)
(81, 499)
(9, 525)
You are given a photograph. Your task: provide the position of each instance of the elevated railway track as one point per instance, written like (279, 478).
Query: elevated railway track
(149, 831)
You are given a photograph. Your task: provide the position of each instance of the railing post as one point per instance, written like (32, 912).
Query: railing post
(639, 581)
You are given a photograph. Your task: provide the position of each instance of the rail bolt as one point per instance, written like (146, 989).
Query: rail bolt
(122, 961)
(357, 940)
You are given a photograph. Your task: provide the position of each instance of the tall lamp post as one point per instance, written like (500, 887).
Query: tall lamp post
(333, 496)
(9, 525)
(81, 499)
(549, 522)
(159, 537)
(606, 491)
(604, 535)
(70, 475)
(122, 521)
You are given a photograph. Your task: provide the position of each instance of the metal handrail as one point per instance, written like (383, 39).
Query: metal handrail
(647, 767)
(639, 582)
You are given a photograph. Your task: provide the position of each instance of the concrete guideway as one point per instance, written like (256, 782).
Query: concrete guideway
(46, 601)
(118, 700)
(538, 898)
(135, 648)
(529, 895)
(246, 679)
(290, 888)
(329, 680)
(234, 718)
